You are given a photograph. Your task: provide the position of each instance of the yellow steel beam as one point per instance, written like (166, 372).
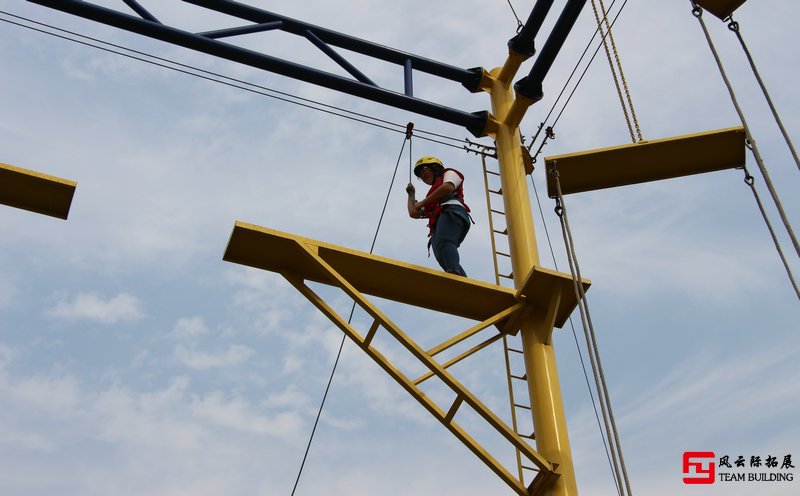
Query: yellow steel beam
(475, 329)
(378, 276)
(478, 347)
(276, 251)
(720, 8)
(36, 192)
(647, 161)
(536, 327)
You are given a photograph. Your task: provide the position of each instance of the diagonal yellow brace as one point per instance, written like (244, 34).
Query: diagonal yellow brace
(424, 377)
(446, 418)
(426, 359)
(476, 329)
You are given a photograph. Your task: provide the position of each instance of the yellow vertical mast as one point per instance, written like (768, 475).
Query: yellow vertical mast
(547, 407)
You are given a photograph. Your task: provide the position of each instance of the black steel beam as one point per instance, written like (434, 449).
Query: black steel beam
(522, 43)
(473, 122)
(140, 10)
(252, 28)
(464, 76)
(531, 85)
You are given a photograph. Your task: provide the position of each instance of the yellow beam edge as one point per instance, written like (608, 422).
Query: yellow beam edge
(35, 192)
(720, 8)
(647, 161)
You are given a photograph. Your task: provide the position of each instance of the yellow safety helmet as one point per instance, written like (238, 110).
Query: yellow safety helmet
(432, 162)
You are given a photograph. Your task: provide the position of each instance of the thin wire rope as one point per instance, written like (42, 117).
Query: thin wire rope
(698, 13)
(349, 318)
(734, 26)
(750, 181)
(591, 337)
(285, 97)
(575, 336)
(519, 22)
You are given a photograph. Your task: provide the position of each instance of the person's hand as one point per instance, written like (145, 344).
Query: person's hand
(410, 189)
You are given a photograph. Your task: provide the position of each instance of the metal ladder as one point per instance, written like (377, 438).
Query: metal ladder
(508, 348)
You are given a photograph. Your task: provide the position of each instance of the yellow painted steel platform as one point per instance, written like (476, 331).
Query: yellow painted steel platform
(720, 8)
(36, 192)
(280, 252)
(647, 161)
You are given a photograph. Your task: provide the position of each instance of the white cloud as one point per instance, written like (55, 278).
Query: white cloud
(189, 327)
(91, 306)
(290, 398)
(238, 414)
(200, 360)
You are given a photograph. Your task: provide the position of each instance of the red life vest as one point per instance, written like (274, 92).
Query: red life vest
(433, 212)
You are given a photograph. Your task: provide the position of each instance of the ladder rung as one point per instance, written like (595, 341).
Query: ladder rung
(509, 276)
(526, 407)
(504, 254)
(492, 173)
(529, 468)
(499, 191)
(515, 350)
(498, 212)
(504, 231)
(520, 377)
(532, 435)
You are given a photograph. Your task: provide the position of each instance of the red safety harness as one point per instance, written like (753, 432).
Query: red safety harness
(457, 194)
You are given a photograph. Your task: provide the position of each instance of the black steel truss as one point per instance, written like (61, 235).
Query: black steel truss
(360, 85)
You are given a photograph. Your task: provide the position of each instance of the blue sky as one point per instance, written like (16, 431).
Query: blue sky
(134, 360)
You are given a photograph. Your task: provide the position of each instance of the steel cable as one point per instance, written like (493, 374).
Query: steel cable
(698, 13)
(591, 341)
(350, 317)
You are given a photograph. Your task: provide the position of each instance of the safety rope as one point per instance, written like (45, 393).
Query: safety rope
(609, 38)
(734, 26)
(620, 469)
(574, 333)
(409, 133)
(698, 13)
(750, 181)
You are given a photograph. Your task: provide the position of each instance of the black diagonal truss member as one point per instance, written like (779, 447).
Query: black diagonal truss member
(261, 20)
(478, 123)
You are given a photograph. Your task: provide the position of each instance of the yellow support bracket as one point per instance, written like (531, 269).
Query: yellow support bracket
(35, 192)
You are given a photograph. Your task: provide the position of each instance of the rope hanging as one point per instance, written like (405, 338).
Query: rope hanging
(409, 133)
(698, 13)
(734, 26)
(575, 336)
(549, 129)
(612, 434)
(750, 181)
(606, 37)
